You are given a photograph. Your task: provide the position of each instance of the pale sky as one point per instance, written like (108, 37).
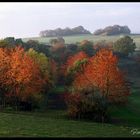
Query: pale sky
(28, 19)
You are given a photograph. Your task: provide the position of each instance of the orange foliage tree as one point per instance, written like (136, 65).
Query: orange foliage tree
(102, 73)
(73, 59)
(97, 82)
(72, 65)
(20, 74)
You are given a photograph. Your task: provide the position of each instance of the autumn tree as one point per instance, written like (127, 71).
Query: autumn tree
(20, 75)
(43, 62)
(48, 71)
(72, 66)
(99, 82)
(73, 59)
(102, 72)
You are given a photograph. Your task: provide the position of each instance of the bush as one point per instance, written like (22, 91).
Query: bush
(87, 107)
(73, 102)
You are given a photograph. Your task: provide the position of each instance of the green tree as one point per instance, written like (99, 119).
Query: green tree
(14, 42)
(124, 45)
(103, 44)
(87, 47)
(5, 44)
(44, 64)
(40, 48)
(57, 43)
(10, 40)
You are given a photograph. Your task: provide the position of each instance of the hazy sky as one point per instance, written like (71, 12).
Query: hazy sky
(28, 19)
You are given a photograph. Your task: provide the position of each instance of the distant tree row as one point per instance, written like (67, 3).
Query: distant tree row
(64, 32)
(109, 30)
(113, 30)
(11, 42)
(125, 46)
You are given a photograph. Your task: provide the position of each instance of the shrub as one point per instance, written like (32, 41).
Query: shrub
(93, 107)
(73, 103)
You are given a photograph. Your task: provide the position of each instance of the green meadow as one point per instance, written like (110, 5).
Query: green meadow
(54, 123)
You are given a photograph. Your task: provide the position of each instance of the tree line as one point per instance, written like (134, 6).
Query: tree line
(64, 32)
(88, 71)
(109, 30)
(113, 30)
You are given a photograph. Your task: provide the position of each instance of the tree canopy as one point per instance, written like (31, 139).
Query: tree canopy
(124, 45)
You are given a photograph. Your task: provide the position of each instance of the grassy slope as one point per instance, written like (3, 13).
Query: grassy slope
(54, 124)
(78, 38)
(130, 114)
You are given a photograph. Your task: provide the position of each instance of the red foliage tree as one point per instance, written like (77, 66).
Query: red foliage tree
(102, 72)
(73, 59)
(20, 74)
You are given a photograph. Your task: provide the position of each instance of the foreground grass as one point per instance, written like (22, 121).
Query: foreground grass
(130, 114)
(54, 124)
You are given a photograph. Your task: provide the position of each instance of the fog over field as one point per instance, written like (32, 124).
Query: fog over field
(28, 19)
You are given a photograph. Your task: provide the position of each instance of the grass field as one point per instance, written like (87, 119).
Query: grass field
(54, 123)
(78, 38)
(130, 114)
